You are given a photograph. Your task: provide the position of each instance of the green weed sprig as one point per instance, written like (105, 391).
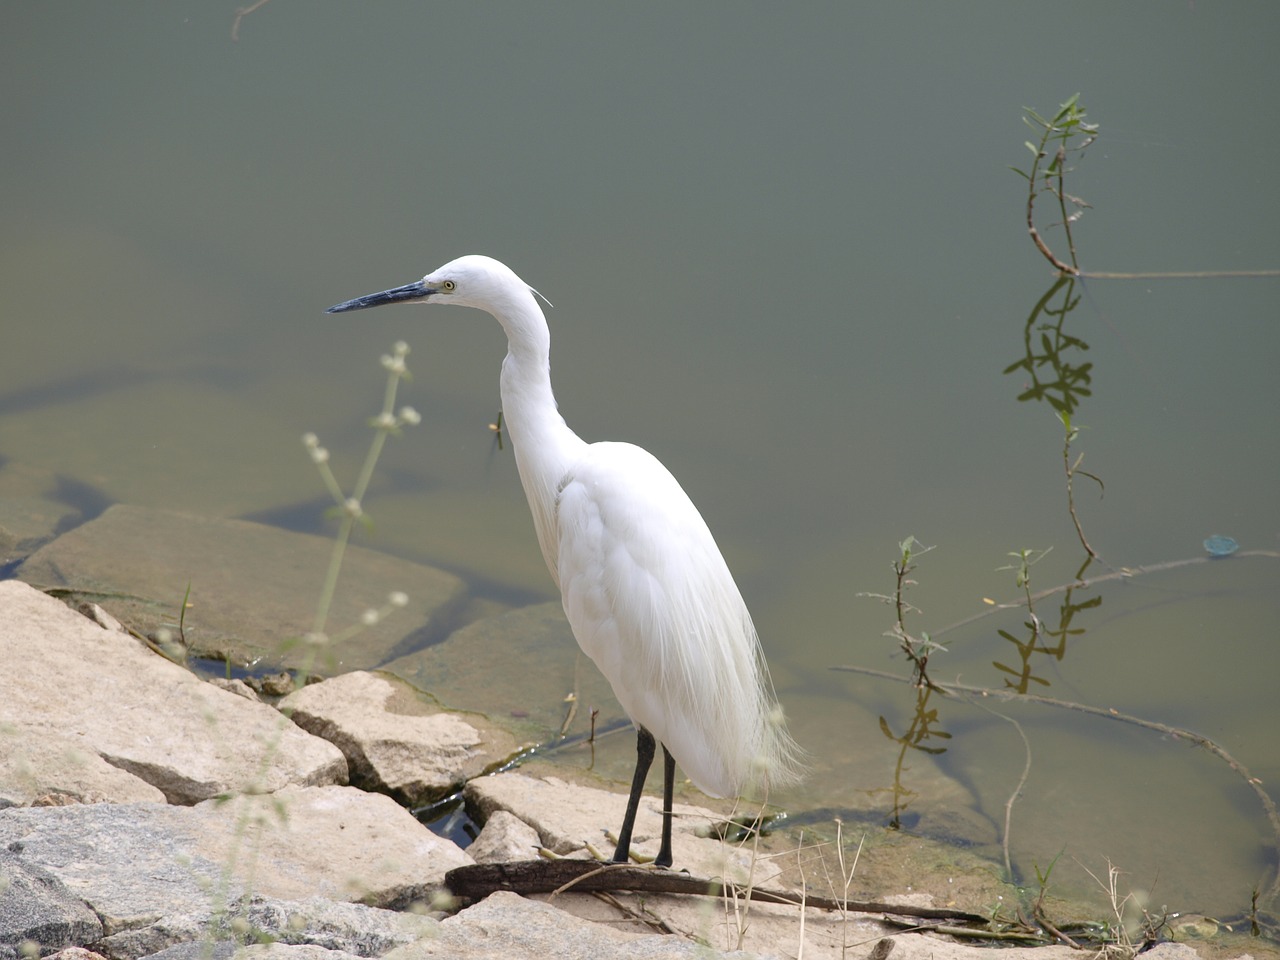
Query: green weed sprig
(1072, 135)
(917, 649)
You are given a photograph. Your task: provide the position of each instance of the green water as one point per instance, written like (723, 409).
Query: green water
(786, 254)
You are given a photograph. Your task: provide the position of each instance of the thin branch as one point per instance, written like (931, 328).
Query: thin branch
(1184, 275)
(241, 13)
(1014, 794)
(1123, 573)
(1178, 733)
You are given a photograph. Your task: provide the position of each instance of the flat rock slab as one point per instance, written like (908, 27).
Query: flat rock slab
(395, 741)
(135, 864)
(323, 929)
(505, 838)
(253, 587)
(35, 905)
(516, 668)
(572, 820)
(39, 767)
(27, 523)
(508, 926)
(76, 688)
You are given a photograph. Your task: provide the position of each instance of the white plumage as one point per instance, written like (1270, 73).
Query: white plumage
(652, 602)
(644, 586)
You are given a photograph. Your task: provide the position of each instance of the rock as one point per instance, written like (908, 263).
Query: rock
(352, 927)
(35, 906)
(515, 668)
(1188, 926)
(141, 713)
(238, 687)
(393, 740)
(273, 684)
(505, 837)
(194, 949)
(513, 928)
(131, 863)
(26, 523)
(344, 928)
(252, 586)
(286, 951)
(1174, 951)
(340, 843)
(36, 766)
(568, 817)
(137, 864)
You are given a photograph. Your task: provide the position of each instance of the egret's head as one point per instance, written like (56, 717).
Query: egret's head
(471, 281)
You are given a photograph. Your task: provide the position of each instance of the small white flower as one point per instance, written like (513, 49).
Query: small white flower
(385, 421)
(369, 617)
(410, 416)
(401, 348)
(398, 598)
(319, 455)
(310, 441)
(352, 507)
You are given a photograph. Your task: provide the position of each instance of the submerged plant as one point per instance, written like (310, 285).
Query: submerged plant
(925, 724)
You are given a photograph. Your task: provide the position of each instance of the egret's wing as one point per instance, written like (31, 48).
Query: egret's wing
(652, 602)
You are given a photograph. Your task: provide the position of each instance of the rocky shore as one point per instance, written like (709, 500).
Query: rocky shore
(147, 812)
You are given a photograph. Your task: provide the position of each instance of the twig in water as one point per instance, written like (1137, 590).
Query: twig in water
(1177, 733)
(243, 12)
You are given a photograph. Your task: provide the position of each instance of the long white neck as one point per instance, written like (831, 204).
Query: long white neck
(545, 447)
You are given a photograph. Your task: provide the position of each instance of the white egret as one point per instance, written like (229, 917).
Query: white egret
(644, 586)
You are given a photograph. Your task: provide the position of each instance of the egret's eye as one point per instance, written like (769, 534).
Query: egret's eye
(448, 286)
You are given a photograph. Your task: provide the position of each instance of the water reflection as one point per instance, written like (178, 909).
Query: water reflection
(1025, 648)
(1060, 378)
(1051, 359)
(925, 727)
(1056, 371)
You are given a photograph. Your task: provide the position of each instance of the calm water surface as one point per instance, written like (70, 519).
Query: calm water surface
(787, 255)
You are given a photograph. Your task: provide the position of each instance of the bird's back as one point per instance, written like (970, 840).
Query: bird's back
(652, 602)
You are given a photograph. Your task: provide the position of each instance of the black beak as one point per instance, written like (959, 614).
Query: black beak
(415, 292)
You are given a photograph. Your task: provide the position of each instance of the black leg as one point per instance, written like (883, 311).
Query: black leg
(645, 746)
(668, 788)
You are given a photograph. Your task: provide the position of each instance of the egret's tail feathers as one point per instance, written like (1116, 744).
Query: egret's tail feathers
(779, 760)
